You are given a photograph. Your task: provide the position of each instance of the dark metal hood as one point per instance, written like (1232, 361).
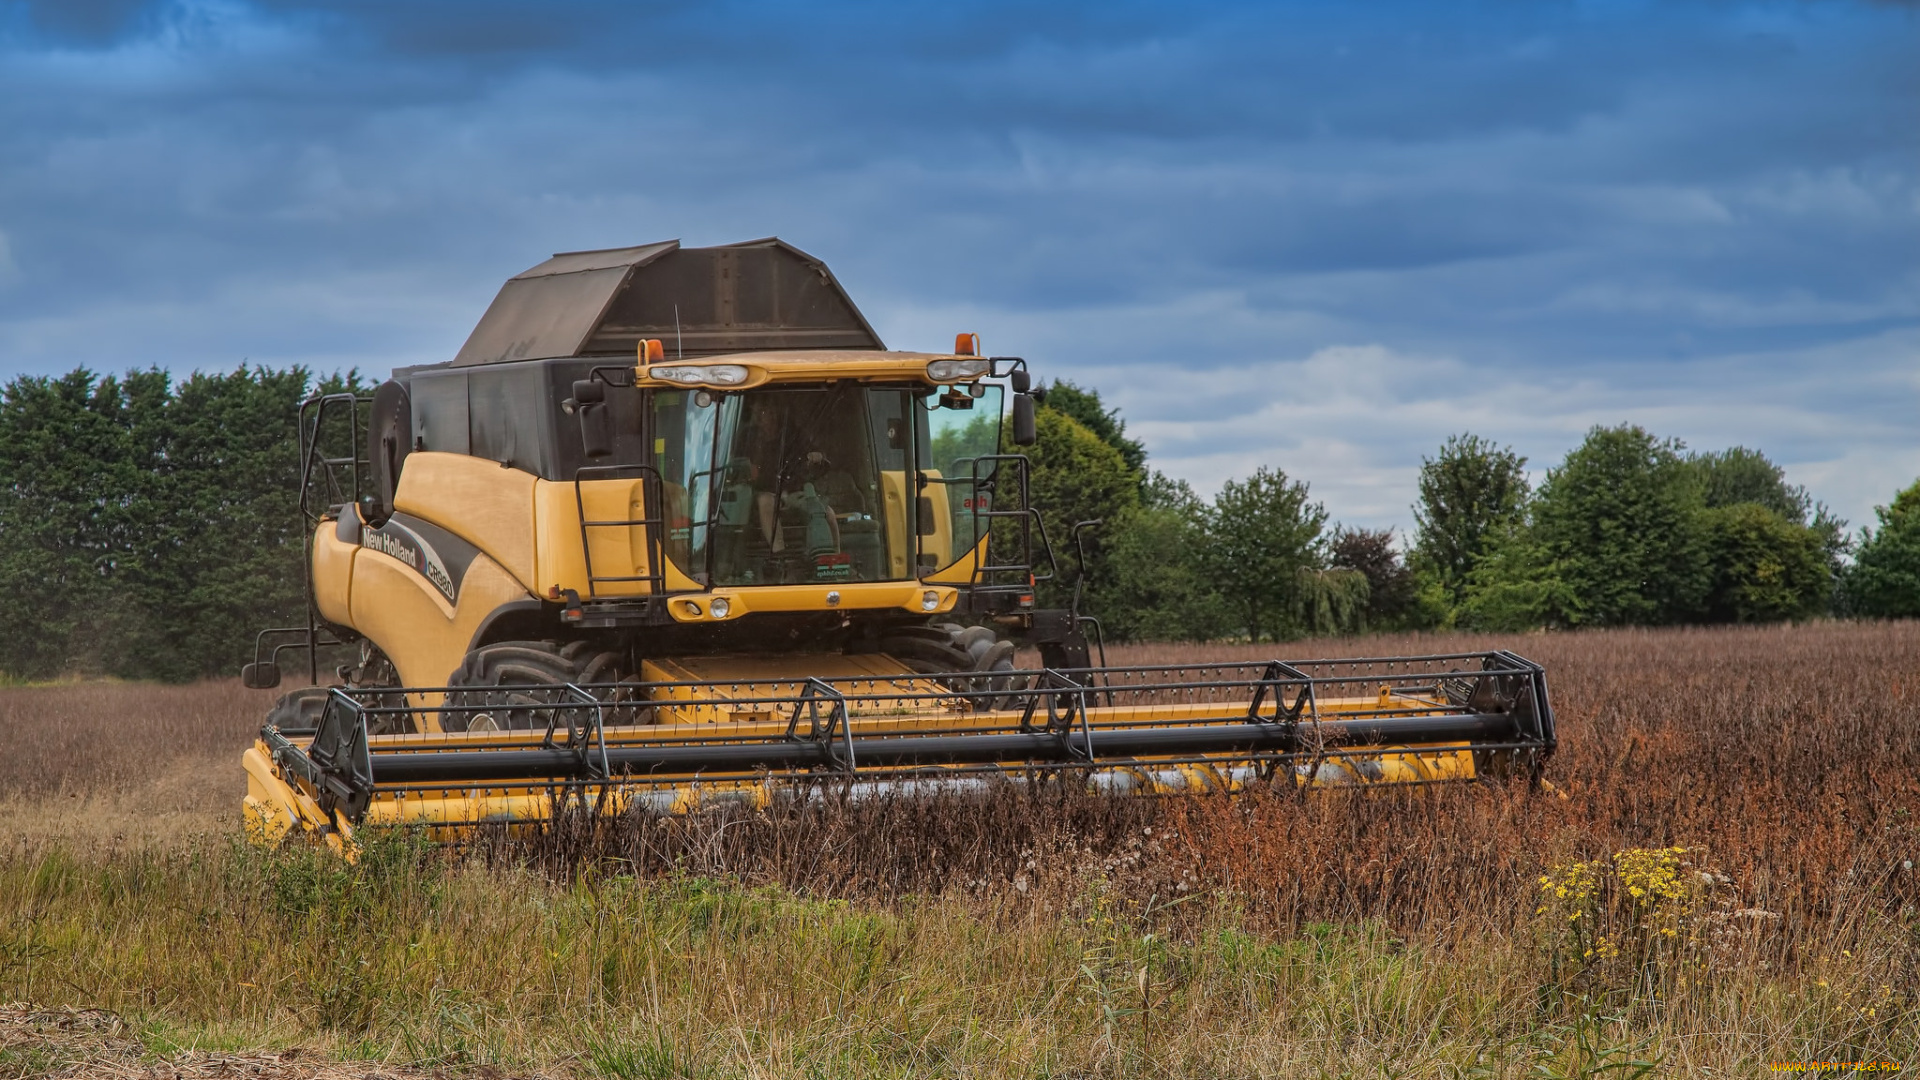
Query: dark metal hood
(760, 294)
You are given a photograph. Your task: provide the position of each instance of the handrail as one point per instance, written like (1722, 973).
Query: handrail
(1029, 518)
(312, 424)
(652, 525)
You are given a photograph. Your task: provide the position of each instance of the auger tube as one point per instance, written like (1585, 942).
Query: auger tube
(1042, 748)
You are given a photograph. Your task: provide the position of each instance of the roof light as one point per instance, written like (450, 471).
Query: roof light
(949, 370)
(966, 345)
(697, 374)
(652, 351)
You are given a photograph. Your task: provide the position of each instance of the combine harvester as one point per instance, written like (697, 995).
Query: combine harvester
(674, 527)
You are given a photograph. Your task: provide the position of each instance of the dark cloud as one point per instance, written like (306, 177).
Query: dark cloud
(87, 22)
(1539, 194)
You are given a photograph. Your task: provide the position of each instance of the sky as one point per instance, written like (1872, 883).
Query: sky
(1317, 237)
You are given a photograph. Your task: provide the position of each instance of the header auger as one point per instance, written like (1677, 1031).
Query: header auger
(578, 572)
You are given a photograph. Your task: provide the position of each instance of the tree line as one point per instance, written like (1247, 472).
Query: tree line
(1628, 530)
(149, 527)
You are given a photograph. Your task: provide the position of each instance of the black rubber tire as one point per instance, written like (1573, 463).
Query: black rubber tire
(299, 710)
(509, 676)
(973, 658)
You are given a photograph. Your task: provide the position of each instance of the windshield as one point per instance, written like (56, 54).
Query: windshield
(957, 443)
(809, 484)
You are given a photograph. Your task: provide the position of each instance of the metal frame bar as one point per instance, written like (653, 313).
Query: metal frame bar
(312, 424)
(1030, 521)
(349, 768)
(652, 504)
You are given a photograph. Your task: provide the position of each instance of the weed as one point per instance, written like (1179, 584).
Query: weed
(651, 1058)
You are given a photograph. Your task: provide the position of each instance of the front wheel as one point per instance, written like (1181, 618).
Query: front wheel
(510, 686)
(971, 660)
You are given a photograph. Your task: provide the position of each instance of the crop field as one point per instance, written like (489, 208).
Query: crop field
(1719, 876)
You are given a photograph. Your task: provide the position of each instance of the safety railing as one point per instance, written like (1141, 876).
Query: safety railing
(652, 522)
(990, 473)
(332, 430)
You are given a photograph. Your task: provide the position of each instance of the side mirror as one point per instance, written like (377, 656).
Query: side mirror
(589, 405)
(1026, 430)
(596, 429)
(1020, 380)
(260, 675)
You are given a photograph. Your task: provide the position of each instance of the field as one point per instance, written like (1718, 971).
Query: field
(1721, 876)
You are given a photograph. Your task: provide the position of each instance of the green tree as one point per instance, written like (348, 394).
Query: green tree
(148, 529)
(1330, 600)
(1084, 405)
(1261, 532)
(1155, 587)
(1885, 579)
(1619, 524)
(1471, 495)
(77, 487)
(1518, 585)
(1391, 587)
(1738, 475)
(1073, 476)
(1764, 567)
(225, 540)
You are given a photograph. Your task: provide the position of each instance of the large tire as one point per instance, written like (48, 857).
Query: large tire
(973, 659)
(298, 711)
(508, 677)
(376, 672)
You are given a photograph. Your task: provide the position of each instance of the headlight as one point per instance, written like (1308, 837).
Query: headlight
(949, 370)
(719, 606)
(696, 374)
(929, 601)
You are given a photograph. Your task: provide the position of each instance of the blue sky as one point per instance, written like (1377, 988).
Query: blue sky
(1322, 237)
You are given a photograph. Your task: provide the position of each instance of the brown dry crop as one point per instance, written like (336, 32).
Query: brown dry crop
(1786, 758)
(1037, 930)
(99, 760)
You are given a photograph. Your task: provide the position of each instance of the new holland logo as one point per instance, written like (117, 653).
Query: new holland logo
(406, 545)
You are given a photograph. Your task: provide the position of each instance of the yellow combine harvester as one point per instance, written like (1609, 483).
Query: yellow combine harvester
(675, 527)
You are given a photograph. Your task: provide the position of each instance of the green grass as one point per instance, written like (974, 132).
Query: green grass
(415, 956)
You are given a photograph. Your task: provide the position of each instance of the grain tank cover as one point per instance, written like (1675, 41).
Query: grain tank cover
(760, 294)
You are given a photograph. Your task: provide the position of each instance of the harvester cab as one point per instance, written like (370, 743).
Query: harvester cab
(675, 526)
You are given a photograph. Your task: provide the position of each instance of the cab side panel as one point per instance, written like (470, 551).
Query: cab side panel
(484, 503)
(408, 616)
(336, 544)
(618, 550)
